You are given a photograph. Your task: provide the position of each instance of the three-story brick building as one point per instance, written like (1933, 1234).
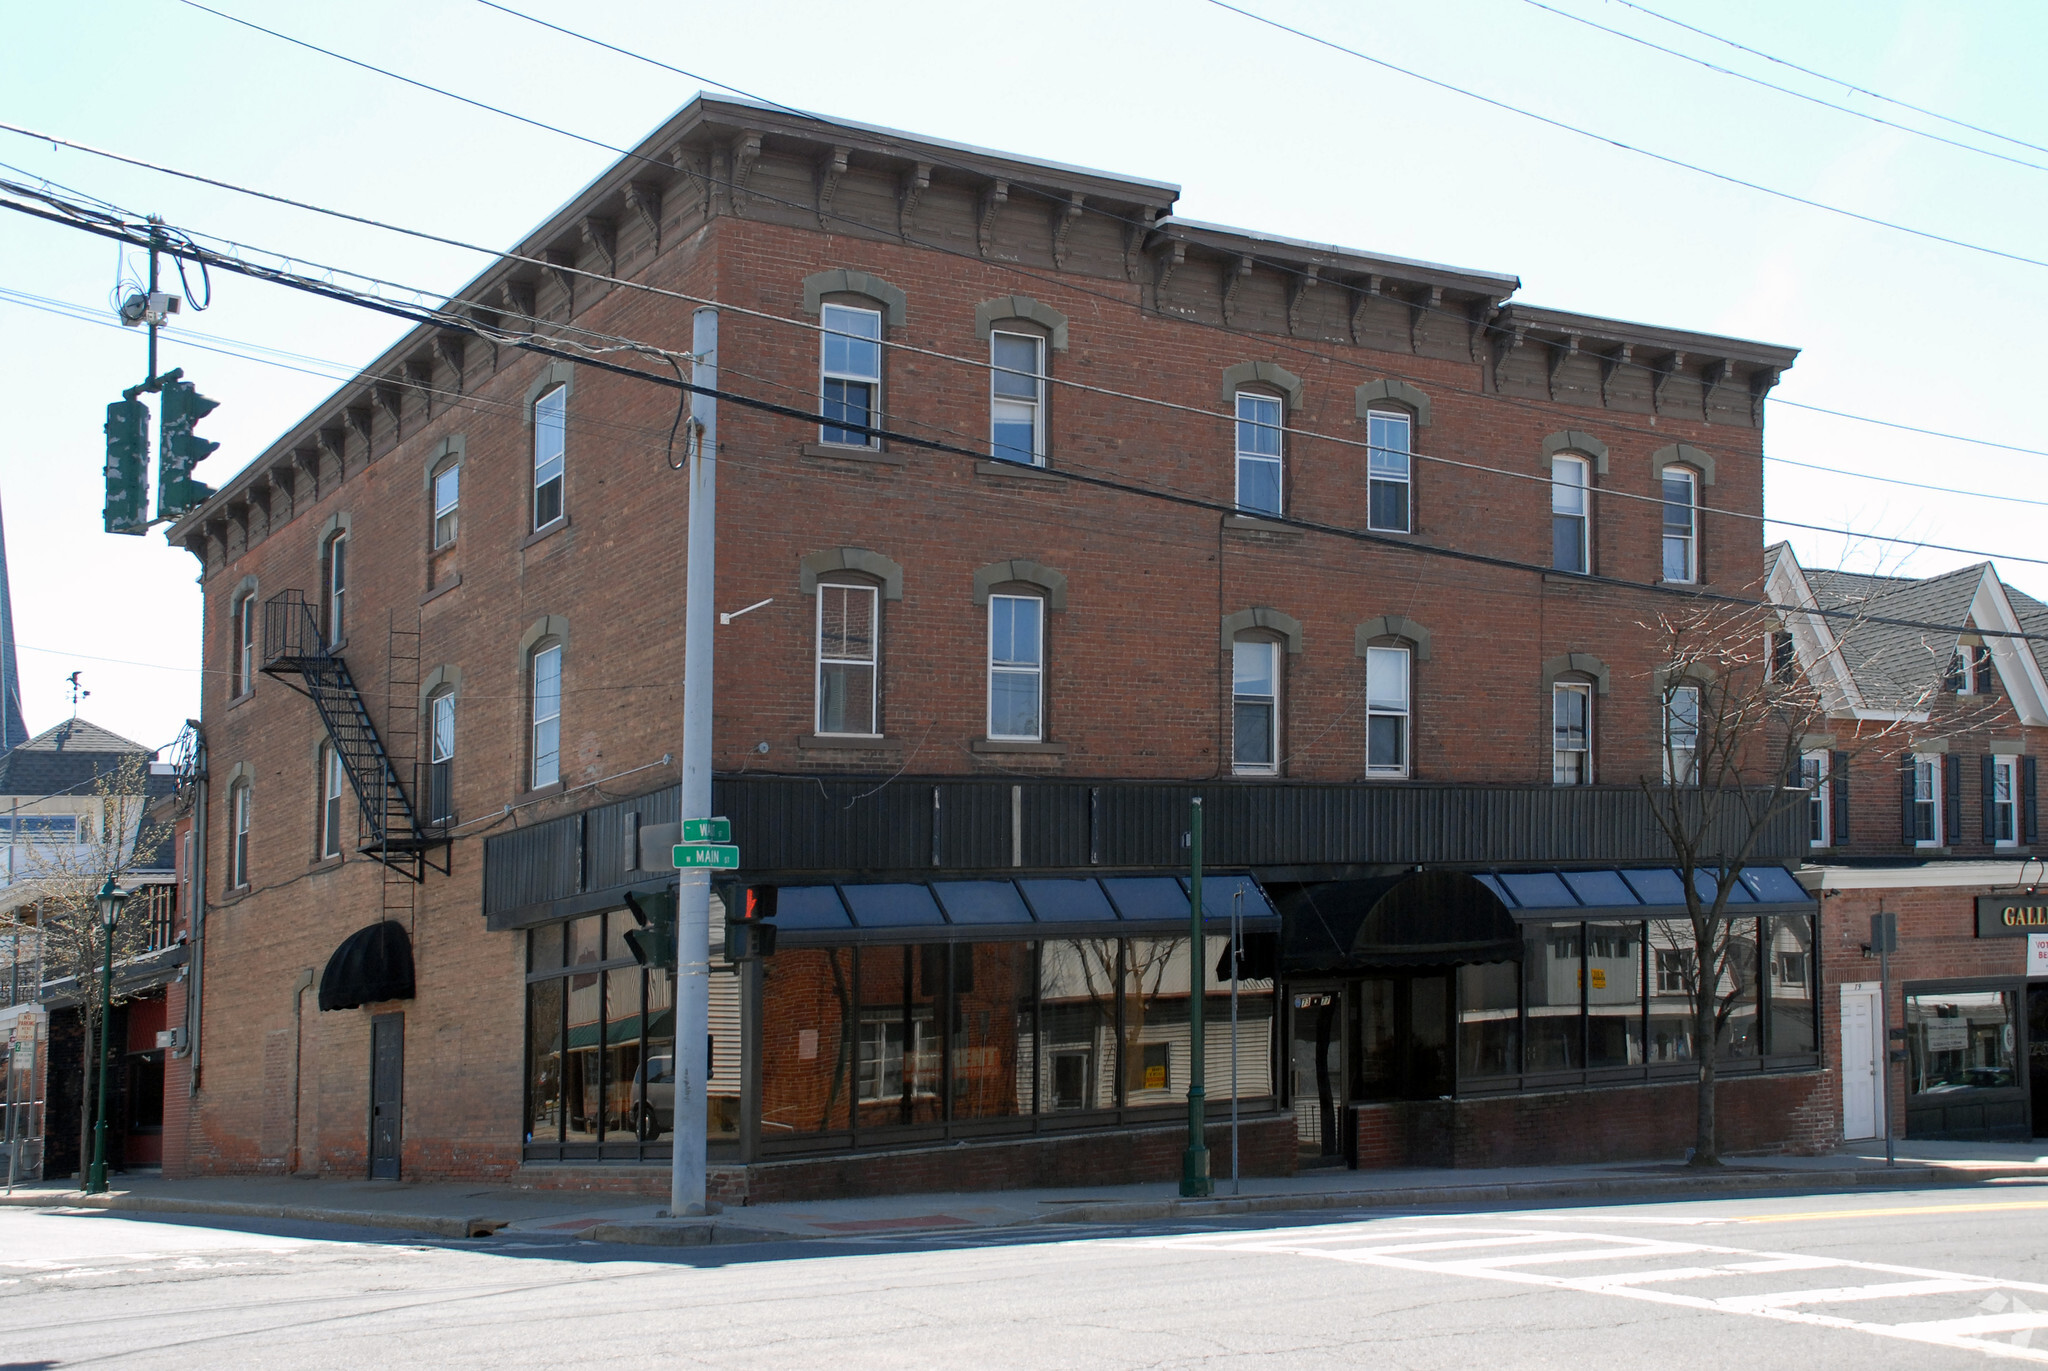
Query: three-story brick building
(1077, 510)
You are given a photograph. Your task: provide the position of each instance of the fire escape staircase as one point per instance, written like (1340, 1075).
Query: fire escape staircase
(295, 647)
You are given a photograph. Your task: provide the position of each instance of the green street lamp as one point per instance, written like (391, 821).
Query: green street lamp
(110, 899)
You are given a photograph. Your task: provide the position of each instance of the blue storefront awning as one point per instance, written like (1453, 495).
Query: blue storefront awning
(1028, 907)
(1638, 892)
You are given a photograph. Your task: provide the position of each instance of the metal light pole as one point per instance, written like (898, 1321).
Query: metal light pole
(693, 895)
(1194, 1167)
(1236, 956)
(110, 900)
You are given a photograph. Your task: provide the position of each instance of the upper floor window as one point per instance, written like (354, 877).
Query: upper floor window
(2002, 802)
(334, 572)
(440, 804)
(333, 785)
(1016, 667)
(1387, 708)
(1681, 525)
(1780, 657)
(1815, 777)
(547, 715)
(238, 835)
(550, 440)
(1571, 733)
(1388, 434)
(1258, 452)
(850, 370)
(1255, 713)
(245, 644)
(1682, 734)
(1017, 397)
(447, 495)
(1568, 514)
(1923, 802)
(1970, 671)
(848, 636)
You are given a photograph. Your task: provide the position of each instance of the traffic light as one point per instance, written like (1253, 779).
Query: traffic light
(749, 921)
(176, 491)
(127, 470)
(654, 941)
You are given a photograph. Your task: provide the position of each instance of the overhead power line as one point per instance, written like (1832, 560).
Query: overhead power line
(1831, 80)
(1726, 178)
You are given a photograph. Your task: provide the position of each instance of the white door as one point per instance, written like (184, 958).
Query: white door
(1860, 1058)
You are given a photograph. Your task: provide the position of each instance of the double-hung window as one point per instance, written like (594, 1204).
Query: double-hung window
(1681, 525)
(1255, 711)
(1682, 734)
(441, 757)
(1814, 778)
(1016, 667)
(333, 785)
(847, 639)
(1571, 733)
(447, 495)
(1568, 511)
(850, 370)
(1388, 460)
(1387, 708)
(238, 853)
(550, 442)
(2003, 818)
(1926, 802)
(1017, 397)
(547, 715)
(1258, 453)
(245, 644)
(1781, 658)
(335, 567)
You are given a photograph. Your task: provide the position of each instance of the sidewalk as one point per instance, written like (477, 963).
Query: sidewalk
(471, 1210)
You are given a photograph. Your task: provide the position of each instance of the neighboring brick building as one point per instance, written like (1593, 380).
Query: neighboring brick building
(961, 698)
(1927, 807)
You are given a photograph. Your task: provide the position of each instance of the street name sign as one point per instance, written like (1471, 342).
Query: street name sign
(707, 830)
(706, 856)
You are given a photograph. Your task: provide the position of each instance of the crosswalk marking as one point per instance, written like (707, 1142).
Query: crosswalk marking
(1563, 1259)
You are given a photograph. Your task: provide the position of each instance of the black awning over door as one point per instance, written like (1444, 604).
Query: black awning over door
(372, 965)
(1421, 918)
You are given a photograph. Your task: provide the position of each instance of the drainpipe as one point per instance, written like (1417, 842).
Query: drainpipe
(195, 874)
(299, 989)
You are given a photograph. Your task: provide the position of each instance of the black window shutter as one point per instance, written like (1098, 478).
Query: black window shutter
(1906, 799)
(2027, 809)
(1838, 797)
(1990, 790)
(1951, 800)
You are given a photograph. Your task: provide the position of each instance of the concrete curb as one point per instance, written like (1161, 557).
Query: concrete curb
(657, 1233)
(1519, 1192)
(439, 1225)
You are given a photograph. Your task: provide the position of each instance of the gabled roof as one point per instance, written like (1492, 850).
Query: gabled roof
(68, 758)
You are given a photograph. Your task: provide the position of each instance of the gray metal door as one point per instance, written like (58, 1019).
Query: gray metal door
(387, 1092)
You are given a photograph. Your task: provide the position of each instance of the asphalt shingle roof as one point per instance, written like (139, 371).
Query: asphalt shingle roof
(1896, 667)
(68, 758)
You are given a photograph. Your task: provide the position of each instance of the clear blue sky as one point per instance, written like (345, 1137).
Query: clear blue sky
(1261, 129)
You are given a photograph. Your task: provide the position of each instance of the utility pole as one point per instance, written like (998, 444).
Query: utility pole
(1194, 1168)
(693, 902)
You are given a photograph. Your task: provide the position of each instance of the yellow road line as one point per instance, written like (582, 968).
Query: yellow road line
(1892, 1213)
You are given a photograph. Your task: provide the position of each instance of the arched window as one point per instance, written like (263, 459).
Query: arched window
(1259, 489)
(1571, 731)
(244, 629)
(447, 497)
(1389, 708)
(333, 786)
(546, 695)
(440, 788)
(1681, 524)
(1016, 668)
(238, 836)
(1389, 436)
(1255, 706)
(1570, 513)
(848, 659)
(850, 375)
(334, 588)
(550, 443)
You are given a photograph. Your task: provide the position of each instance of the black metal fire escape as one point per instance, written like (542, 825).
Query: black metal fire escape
(295, 646)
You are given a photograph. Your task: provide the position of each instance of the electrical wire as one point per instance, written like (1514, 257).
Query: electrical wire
(1767, 85)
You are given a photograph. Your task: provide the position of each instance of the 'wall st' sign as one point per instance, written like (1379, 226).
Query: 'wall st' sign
(2011, 916)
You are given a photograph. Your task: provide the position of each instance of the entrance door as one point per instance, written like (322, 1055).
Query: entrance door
(1860, 1103)
(1316, 1074)
(2037, 1056)
(387, 1091)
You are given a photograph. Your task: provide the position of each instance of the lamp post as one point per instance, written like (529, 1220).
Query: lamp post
(110, 899)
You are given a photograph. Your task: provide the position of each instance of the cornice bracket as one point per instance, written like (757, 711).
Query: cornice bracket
(1171, 255)
(644, 199)
(1716, 376)
(1234, 276)
(746, 155)
(1423, 303)
(1301, 285)
(1561, 352)
(1610, 364)
(1760, 383)
(602, 237)
(909, 193)
(831, 167)
(993, 197)
(1660, 379)
(1506, 342)
(1062, 223)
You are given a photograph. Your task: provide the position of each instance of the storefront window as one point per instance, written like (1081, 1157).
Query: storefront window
(1735, 992)
(896, 1072)
(1489, 1021)
(1077, 984)
(1255, 1023)
(1550, 980)
(994, 1038)
(1789, 988)
(1614, 995)
(1960, 1040)
(807, 1043)
(1156, 1043)
(1674, 976)
(544, 1059)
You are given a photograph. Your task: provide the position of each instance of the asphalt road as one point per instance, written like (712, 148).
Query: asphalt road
(1930, 1279)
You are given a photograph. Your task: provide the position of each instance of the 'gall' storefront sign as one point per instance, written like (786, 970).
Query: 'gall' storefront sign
(2011, 916)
